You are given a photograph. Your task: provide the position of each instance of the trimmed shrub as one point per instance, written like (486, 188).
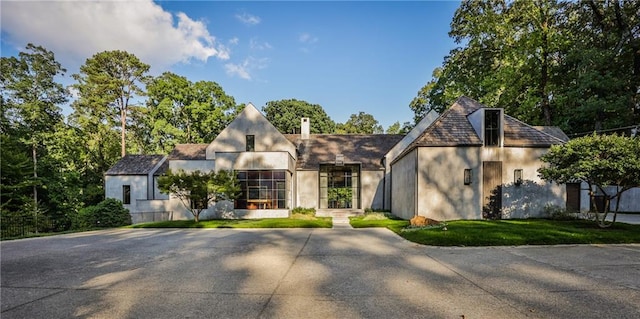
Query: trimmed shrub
(108, 213)
(304, 211)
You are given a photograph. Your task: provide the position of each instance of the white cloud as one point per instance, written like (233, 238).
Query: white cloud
(234, 41)
(76, 30)
(248, 19)
(255, 44)
(243, 70)
(307, 38)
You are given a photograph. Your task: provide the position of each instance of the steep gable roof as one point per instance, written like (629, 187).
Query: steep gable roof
(323, 148)
(135, 165)
(518, 133)
(249, 122)
(453, 128)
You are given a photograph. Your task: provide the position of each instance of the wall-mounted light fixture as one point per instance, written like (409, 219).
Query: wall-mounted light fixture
(517, 177)
(467, 176)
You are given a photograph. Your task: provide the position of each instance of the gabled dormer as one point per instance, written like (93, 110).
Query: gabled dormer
(489, 125)
(249, 132)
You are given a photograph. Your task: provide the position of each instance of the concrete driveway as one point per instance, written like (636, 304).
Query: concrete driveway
(309, 273)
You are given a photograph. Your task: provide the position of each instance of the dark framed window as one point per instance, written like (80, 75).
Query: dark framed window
(262, 189)
(492, 127)
(251, 143)
(467, 176)
(126, 194)
(517, 177)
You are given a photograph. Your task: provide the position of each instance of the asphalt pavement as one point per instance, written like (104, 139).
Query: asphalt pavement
(308, 273)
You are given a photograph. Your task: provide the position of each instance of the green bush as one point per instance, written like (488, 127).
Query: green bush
(304, 211)
(108, 213)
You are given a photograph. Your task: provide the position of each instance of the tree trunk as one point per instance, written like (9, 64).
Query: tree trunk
(123, 123)
(544, 70)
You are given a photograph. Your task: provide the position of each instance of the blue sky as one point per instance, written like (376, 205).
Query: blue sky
(346, 56)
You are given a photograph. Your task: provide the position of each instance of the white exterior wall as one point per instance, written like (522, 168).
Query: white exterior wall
(529, 199)
(371, 189)
(400, 147)
(189, 166)
(403, 186)
(442, 194)
(250, 122)
(113, 188)
(307, 193)
(629, 201)
(156, 190)
(255, 160)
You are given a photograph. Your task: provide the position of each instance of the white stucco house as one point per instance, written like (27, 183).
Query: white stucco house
(470, 162)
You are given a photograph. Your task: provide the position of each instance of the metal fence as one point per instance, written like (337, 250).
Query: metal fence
(24, 226)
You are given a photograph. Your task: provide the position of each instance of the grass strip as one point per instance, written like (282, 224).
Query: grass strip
(510, 232)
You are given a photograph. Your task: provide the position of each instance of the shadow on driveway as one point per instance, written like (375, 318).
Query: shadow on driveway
(310, 273)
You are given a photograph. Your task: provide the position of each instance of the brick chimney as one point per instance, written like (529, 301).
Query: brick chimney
(304, 128)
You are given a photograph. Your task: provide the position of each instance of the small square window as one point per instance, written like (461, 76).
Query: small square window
(251, 143)
(467, 176)
(126, 194)
(517, 177)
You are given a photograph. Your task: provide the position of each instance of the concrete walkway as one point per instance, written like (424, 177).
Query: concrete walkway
(308, 273)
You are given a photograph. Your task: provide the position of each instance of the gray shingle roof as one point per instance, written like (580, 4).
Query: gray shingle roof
(189, 152)
(553, 131)
(453, 128)
(135, 165)
(323, 148)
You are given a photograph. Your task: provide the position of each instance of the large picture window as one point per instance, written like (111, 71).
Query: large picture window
(262, 190)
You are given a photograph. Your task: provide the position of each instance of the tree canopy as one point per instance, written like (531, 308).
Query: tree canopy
(571, 64)
(285, 115)
(180, 111)
(601, 161)
(108, 84)
(361, 123)
(196, 190)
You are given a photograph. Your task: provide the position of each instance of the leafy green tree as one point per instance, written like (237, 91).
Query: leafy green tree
(179, 111)
(30, 105)
(395, 128)
(108, 84)
(285, 115)
(551, 62)
(601, 161)
(361, 123)
(196, 190)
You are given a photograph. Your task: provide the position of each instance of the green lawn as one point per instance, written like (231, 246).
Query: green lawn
(318, 222)
(510, 232)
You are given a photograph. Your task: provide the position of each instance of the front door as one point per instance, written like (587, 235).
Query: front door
(492, 190)
(339, 186)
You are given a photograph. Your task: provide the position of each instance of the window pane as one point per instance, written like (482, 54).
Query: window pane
(242, 175)
(126, 194)
(253, 175)
(251, 139)
(265, 175)
(278, 175)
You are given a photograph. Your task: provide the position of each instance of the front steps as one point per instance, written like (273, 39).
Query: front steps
(340, 216)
